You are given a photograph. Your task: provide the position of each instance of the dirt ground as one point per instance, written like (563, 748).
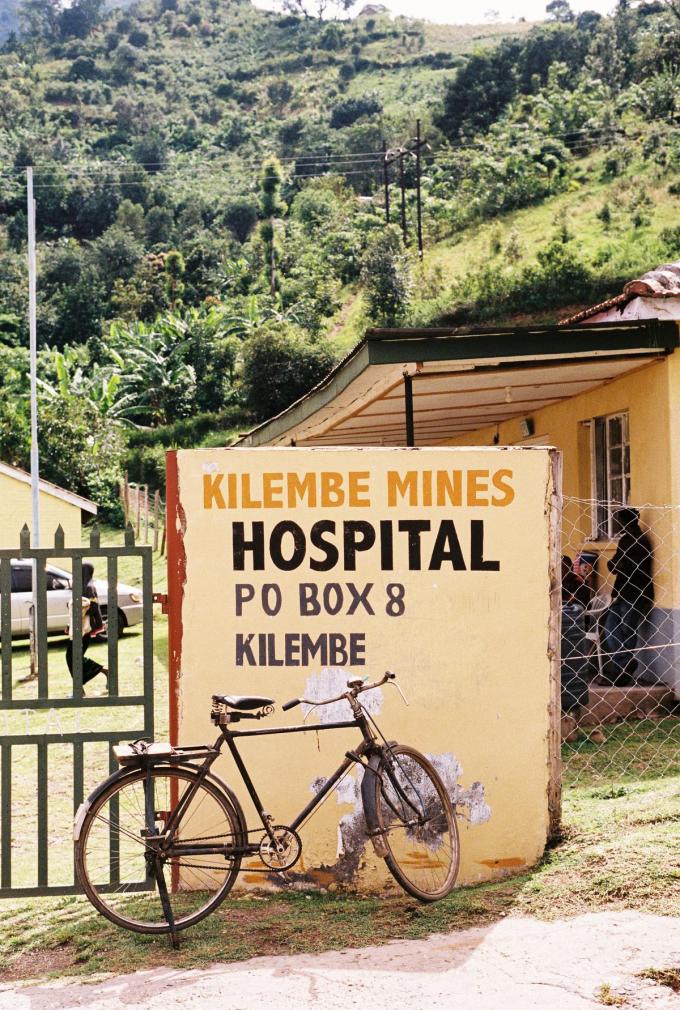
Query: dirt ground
(520, 963)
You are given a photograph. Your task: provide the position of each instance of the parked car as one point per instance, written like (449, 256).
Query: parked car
(59, 597)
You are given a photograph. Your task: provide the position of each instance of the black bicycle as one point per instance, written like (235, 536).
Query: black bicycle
(159, 844)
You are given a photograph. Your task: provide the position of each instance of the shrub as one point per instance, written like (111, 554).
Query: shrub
(604, 215)
(280, 365)
(225, 89)
(187, 431)
(138, 38)
(240, 216)
(82, 452)
(350, 109)
(280, 92)
(387, 278)
(671, 239)
(83, 69)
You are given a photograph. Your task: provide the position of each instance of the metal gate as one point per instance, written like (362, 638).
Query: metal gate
(35, 857)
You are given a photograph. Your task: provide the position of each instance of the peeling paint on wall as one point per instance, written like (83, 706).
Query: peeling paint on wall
(469, 802)
(329, 682)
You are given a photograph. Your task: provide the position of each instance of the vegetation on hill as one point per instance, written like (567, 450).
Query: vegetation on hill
(208, 179)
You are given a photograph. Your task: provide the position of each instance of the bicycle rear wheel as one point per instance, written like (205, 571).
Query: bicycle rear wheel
(407, 805)
(128, 879)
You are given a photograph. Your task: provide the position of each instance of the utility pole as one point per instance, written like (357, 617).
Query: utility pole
(402, 187)
(386, 182)
(419, 206)
(35, 460)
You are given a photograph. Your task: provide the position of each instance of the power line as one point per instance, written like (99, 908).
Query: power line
(87, 168)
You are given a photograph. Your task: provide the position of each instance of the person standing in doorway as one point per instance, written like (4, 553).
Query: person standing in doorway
(632, 597)
(93, 625)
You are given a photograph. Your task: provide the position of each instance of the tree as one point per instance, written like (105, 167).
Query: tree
(152, 361)
(559, 10)
(71, 295)
(387, 277)
(82, 451)
(39, 19)
(130, 216)
(350, 109)
(117, 253)
(174, 272)
(317, 8)
(99, 387)
(159, 224)
(481, 90)
(240, 216)
(83, 68)
(80, 18)
(280, 365)
(151, 150)
(212, 351)
(272, 207)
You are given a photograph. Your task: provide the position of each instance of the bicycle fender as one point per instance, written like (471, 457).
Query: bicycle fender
(123, 773)
(368, 793)
(82, 810)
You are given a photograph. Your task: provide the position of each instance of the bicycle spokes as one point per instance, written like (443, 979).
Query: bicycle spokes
(149, 877)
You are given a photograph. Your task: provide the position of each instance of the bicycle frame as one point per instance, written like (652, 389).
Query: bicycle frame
(230, 736)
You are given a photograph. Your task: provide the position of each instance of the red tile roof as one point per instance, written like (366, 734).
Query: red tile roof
(662, 282)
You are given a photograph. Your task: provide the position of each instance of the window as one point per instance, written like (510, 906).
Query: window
(611, 471)
(22, 578)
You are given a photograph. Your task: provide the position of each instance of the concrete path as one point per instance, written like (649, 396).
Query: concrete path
(517, 964)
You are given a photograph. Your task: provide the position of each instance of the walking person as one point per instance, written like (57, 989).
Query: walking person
(632, 597)
(93, 625)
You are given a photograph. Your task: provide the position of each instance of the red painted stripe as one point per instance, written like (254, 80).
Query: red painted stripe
(176, 526)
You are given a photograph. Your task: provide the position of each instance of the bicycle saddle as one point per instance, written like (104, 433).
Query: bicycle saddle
(243, 703)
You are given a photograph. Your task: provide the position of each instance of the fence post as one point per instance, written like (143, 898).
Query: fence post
(554, 632)
(156, 516)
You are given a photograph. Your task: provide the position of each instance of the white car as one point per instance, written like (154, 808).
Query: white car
(59, 598)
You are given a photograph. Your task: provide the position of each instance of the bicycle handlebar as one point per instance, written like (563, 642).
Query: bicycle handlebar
(355, 690)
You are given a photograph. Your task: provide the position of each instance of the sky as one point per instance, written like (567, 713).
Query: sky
(472, 11)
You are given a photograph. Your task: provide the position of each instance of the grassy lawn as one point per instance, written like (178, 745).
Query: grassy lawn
(617, 852)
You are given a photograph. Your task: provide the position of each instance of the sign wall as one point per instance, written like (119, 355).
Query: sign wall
(292, 569)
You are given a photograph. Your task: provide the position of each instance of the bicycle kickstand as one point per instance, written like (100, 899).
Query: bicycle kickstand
(165, 902)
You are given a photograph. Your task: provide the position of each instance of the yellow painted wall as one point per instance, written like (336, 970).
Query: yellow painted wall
(470, 649)
(651, 395)
(15, 510)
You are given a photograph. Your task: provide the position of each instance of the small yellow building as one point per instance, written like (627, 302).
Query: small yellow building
(603, 387)
(58, 507)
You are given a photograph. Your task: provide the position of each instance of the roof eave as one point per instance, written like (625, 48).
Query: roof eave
(382, 346)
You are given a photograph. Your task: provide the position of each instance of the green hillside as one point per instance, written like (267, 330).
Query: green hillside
(211, 233)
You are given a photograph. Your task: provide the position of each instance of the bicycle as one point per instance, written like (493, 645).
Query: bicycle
(159, 844)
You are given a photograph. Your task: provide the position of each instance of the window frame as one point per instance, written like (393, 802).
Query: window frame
(602, 479)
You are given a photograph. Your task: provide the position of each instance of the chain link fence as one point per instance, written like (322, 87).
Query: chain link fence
(620, 641)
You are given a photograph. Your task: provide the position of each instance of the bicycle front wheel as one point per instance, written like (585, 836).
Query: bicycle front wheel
(408, 807)
(125, 873)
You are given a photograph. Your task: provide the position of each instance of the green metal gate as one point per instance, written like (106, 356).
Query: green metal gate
(21, 831)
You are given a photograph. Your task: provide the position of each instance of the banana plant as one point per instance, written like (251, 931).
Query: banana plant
(98, 385)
